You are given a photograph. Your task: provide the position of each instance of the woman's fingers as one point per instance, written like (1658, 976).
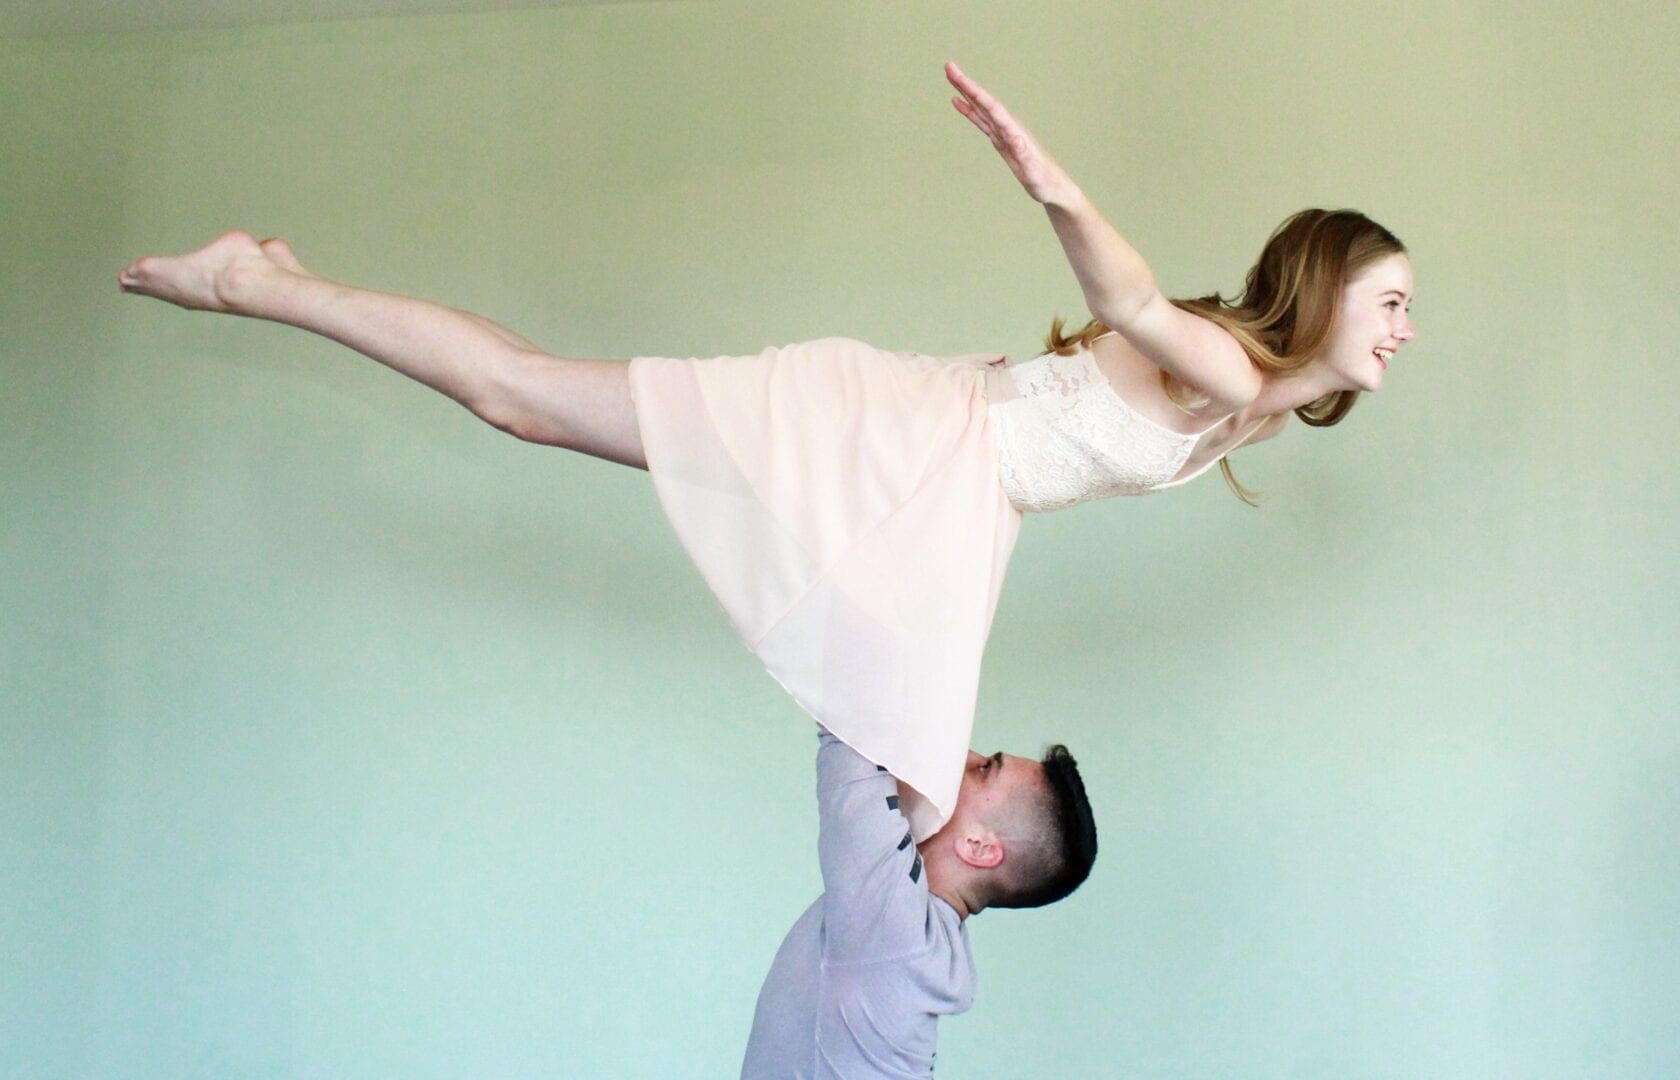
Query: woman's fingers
(972, 103)
(1014, 143)
(986, 112)
(974, 116)
(979, 100)
(974, 95)
(970, 89)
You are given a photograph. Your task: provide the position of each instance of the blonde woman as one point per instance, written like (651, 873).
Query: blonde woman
(854, 509)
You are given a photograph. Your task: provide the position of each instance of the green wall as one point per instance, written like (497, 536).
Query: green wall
(342, 736)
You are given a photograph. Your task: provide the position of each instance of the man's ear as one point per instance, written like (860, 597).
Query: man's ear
(981, 849)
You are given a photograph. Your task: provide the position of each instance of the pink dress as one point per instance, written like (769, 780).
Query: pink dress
(850, 509)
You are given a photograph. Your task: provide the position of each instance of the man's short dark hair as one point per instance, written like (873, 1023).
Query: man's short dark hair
(1062, 838)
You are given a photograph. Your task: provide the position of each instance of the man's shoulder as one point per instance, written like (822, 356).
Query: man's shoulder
(924, 955)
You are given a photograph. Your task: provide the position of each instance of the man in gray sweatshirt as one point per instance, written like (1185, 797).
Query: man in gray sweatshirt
(860, 982)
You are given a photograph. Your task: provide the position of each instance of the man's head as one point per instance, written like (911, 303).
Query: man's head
(1022, 834)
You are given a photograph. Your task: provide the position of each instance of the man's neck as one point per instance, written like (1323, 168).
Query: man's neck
(951, 892)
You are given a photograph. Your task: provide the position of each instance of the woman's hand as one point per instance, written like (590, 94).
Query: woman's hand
(1037, 171)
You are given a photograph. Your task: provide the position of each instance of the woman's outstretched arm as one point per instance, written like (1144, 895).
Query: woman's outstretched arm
(1119, 287)
(503, 379)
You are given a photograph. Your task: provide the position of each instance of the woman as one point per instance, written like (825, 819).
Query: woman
(853, 509)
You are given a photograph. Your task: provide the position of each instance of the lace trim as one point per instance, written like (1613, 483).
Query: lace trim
(1070, 438)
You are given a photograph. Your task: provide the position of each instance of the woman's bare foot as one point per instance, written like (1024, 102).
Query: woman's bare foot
(220, 276)
(280, 254)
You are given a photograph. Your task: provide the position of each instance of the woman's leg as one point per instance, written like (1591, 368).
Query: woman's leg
(280, 253)
(582, 405)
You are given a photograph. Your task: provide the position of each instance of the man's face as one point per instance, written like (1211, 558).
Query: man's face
(990, 784)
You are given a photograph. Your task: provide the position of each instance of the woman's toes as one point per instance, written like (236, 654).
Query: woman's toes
(132, 273)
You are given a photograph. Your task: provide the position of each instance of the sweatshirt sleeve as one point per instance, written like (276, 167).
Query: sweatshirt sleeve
(875, 898)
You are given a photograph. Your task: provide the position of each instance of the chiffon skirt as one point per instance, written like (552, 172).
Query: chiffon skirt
(843, 505)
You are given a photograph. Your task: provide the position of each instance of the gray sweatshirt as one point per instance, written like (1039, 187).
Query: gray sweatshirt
(860, 982)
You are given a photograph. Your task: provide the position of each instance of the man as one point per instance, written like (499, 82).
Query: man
(860, 982)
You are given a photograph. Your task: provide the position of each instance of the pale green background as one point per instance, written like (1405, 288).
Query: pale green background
(342, 736)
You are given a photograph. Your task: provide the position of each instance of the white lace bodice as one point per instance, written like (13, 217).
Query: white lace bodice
(1069, 438)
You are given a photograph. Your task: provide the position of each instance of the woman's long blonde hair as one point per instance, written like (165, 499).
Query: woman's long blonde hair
(1287, 307)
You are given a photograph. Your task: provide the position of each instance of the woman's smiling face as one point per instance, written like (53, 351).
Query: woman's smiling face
(1371, 323)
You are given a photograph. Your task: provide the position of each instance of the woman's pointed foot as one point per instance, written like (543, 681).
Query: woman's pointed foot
(216, 277)
(280, 254)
